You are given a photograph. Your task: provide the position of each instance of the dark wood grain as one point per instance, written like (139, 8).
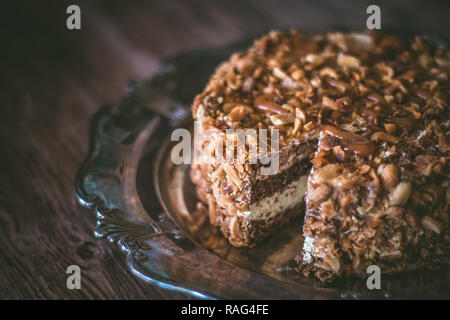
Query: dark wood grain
(53, 80)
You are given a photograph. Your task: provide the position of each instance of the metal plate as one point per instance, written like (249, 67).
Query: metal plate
(171, 243)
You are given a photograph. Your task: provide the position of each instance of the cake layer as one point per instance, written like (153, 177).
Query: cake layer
(290, 195)
(263, 217)
(293, 162)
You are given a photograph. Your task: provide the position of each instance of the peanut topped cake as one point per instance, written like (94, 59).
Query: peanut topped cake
(364, 129)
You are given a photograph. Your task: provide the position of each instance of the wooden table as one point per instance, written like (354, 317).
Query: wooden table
(53, 80)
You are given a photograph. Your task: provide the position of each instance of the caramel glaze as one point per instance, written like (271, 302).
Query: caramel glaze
(351, 142)
(264, 103)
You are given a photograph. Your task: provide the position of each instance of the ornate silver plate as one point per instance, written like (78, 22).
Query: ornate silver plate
(147, 205)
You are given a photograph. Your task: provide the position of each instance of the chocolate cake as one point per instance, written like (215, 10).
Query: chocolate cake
(363, 124)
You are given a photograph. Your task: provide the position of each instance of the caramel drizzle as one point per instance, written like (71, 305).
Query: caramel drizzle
(351, 142)
(264, 103)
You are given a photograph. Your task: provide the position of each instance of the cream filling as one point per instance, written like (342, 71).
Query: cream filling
(269, 207)
(308, 249)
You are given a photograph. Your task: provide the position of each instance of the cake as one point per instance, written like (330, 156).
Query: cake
(363, 149)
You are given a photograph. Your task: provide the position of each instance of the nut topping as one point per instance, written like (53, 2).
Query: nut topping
(232, 174)
(400, 194)
(348, 62)
(320, 193)
(238, 113)
(264, 103)
(412, 219)
(389, 176)
(282, 119)
(432, 224)
(382, 136)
